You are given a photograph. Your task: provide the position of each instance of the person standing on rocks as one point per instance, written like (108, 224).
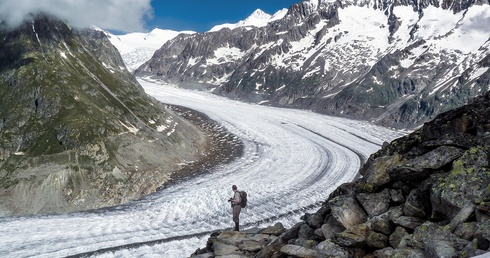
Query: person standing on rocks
(235, 205)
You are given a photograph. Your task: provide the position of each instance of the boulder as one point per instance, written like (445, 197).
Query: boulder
(354, 236)
(464, 215)
(376, 240)
(482, 234)
(347, 211)
(232, 237)
(467, 182)
(271, 249)
(384, 253)
(466, 230)
(220, 248)
(298, 251)
(381, 225)
(375, 173)
(375, 203)
(314, 220)
(417, 204)
(330, 249)
(471, 249)
(483, 212)
(292, 232)
(422, 166)
(251, 245)
(408, 252)
(331, 227)
(429, 234)
(440, 249)
(408, 222)
(397, 236)
(307, 243)
(460, 140)
(306, 232)
(396, 196)
(275, 230)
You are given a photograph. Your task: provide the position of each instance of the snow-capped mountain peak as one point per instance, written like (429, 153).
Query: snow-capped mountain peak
(395, 64)
(257, 19)
(136, 48)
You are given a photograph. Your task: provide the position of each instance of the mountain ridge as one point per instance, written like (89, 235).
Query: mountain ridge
(77, 131)
(342, 59)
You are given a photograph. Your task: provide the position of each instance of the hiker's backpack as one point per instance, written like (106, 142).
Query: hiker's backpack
(243, 194)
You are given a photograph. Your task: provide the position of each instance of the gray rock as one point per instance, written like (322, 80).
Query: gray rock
(271, 249)
(440, 249)
(319, 234)
(313, 220)
(251, 245)
(384, 253)
(375, 172)
(298, 251)
(396, 196)
(306, 232)
(331, 227)
(292, 232)
(466, 183)
(376, 240)
(380, 225)
(220, 248)
(417, 204)
(330, 249)
(205, 255)
(408, 222)
(375, 203)
(429, 234)
(483, 212)
(464, 214)
(275, 230)
(482, 234)
(397, 236)
(347, 211)
(354, 236)
(408, 252)
(307, 243)
(466, 230)
(422, 166)
(471, 250)
(232, 237)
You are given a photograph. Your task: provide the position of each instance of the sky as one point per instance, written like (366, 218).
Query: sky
(140, 15)
(202, 15)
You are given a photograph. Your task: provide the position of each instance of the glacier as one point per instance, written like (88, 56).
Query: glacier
(292, 160)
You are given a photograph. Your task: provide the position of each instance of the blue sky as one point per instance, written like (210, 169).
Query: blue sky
(140, 15)
(202, 15)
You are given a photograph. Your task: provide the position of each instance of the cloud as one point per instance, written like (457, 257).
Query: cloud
(121, 15)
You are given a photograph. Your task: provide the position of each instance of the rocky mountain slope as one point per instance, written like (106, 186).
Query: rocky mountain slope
(77, 131)
(397, 63)
(426, 194)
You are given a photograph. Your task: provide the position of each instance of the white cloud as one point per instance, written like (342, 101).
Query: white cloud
(122, 15)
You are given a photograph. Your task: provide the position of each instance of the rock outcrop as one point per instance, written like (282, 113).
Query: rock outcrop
(423, 195)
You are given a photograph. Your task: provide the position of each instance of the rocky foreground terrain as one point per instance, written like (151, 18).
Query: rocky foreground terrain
(423, 195)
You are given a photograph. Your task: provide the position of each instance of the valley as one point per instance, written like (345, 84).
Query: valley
(292, 160)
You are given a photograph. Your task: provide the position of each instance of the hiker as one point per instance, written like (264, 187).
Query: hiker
(235, 204)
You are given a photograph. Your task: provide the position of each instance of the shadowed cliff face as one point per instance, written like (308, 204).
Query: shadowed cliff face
(77, 131)
(423, 195)
(397, 63)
